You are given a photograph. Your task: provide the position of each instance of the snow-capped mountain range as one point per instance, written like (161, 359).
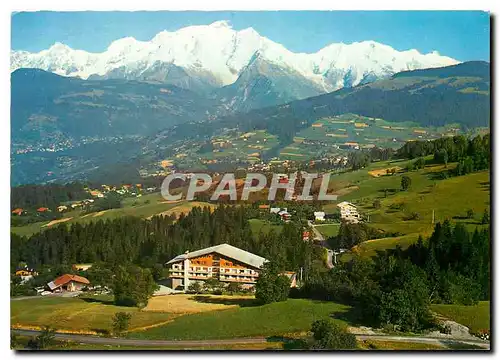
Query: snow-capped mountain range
(213, 56)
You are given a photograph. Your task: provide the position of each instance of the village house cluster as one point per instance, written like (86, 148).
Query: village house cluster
(135, 190)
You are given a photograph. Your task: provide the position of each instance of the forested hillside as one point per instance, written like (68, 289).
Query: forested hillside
(431, 97)
(51, 195)
(148, 242)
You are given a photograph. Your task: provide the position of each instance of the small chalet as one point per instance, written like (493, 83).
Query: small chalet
(285, 215)
(283, 179)
(319, 215)
(96, 193)
(292, 276)
(26, 271)
(26, 274)
(81, 267)
(17, 212)
(68, 282)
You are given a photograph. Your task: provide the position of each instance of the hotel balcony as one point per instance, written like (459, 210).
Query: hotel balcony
(239, 280)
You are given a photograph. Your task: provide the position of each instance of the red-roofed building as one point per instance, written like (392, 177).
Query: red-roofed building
(42, 209)
(68, 282)
(17, 212)
(283, 180)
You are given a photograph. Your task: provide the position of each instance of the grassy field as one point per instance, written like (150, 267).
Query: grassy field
(28, 230)
(84, 315)
(236, 316)
(258, 225)
(369, 248)
(143, 207)
(184, 208)
(365, 131)
(328, 230)
(242, 146)
(448, 199)
(475, 317)
(291, 316)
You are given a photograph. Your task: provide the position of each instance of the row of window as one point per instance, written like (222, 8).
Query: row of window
(222, 276)
(215, 269)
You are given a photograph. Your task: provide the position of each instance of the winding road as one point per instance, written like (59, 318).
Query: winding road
(90, 339)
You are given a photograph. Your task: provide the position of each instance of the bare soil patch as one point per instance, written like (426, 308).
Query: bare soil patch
(54, 222)
(382, 172)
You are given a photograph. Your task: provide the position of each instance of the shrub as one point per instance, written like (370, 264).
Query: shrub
(44, 340)
(121, 321)
(413, 216)
(405, 183)
(398, 206)
(328, 335)
(194, 287)
(213, 285)
(234, 288)
(486, 217)
(14, 342)
(133, 286)
(271, 286)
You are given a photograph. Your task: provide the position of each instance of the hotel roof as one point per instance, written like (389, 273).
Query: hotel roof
(226, 250)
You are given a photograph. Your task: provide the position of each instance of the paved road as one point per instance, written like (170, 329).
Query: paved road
(89, 339)
(25, 297)
(62, 294)
(425, 340)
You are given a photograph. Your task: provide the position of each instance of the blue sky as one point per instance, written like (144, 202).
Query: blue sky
(463, 35)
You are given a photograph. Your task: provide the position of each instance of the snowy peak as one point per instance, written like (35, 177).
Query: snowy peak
(220, 53)
(221, 24)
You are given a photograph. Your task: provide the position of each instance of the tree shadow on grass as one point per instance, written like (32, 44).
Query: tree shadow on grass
(94, 300)
(241, 302)
(467, 221)
(440, 175)
(351, 316)
(390, 191)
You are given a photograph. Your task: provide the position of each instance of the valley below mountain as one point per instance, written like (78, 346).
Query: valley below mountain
(66, 128)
